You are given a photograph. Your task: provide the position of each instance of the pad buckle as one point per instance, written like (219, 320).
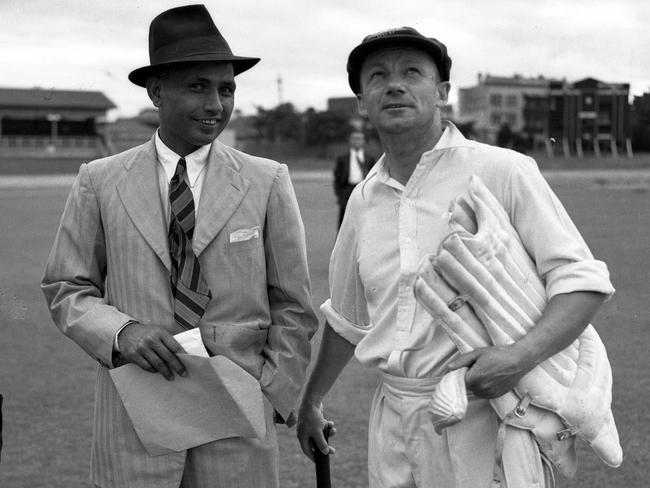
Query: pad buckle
(456, 303)
(522, 407)
(566, 433)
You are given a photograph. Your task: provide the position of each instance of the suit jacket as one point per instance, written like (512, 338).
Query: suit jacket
(110, 263)
(342, 172)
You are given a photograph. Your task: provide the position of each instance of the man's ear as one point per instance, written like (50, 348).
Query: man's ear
(361, 106)
(443, 93)
(154, 87)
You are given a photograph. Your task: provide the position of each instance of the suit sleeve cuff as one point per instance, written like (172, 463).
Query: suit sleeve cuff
(282, 405)
(115, 358)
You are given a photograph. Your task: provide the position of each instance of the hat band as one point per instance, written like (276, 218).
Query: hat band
(187, 49)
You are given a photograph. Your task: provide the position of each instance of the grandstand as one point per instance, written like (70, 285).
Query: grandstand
(42, 123)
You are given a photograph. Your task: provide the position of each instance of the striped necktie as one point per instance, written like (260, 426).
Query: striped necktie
(191, 292)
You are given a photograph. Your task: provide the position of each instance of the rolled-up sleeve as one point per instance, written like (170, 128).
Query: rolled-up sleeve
(563, 259)
(346, 310)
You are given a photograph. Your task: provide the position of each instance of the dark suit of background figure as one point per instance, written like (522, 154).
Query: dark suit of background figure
(343, 186)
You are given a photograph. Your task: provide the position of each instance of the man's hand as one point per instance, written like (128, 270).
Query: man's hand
(152, 348)
(311, 425)
(493, 371)
(496, 370)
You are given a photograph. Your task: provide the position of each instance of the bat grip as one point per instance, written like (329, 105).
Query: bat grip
(322, 462)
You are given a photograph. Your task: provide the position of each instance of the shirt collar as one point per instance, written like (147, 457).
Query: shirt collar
(168, 159)
(358, 153)
(451, 137)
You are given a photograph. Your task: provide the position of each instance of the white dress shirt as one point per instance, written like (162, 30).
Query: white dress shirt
(388, 228)
(196, 165)
(355, 174)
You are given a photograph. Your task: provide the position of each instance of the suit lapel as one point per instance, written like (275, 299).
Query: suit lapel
(222, 192)
(140, 195)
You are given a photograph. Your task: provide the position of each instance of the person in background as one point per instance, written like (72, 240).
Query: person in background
(350, 168)
(185, 232)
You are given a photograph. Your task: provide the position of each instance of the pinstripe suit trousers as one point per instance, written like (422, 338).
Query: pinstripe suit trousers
(228, 463)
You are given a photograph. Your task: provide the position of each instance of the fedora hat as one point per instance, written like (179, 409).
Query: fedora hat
(186, 34)
(401, 36)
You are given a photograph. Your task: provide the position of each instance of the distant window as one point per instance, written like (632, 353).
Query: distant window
(511, 119)
(511, 101)
(604, 118)
(495, 118)
(495, 99)
(589, 100)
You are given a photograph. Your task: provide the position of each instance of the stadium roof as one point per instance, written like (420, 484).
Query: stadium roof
(37, 98)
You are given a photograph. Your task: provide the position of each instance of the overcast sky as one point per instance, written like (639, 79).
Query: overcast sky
(93, 45)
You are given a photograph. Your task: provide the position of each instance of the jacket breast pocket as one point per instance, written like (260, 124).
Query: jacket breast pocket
(244, 239)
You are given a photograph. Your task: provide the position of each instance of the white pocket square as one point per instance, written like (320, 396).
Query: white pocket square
(241, 235)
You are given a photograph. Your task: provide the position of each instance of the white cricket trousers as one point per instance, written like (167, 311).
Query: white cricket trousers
(404, 450)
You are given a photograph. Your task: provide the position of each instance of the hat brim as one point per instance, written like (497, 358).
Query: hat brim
(362, 51)
(239, 63)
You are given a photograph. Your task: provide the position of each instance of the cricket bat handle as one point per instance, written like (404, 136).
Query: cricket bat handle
(322, 462)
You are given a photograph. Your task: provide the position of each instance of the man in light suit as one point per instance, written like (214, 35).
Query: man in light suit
(185, 232)
(350, 169)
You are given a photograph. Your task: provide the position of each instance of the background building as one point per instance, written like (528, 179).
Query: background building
(536, 120)
(539, 113)
(590, 116)
(497, 101)
(343, 105)
(63, 123)
(348, 107)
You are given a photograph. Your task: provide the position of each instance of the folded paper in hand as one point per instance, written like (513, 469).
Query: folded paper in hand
(191, 342)
(215, 400)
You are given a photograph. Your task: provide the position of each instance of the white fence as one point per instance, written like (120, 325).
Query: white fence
(47, 141)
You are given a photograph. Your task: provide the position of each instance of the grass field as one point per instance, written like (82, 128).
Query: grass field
(70, 165)
(47, 381)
